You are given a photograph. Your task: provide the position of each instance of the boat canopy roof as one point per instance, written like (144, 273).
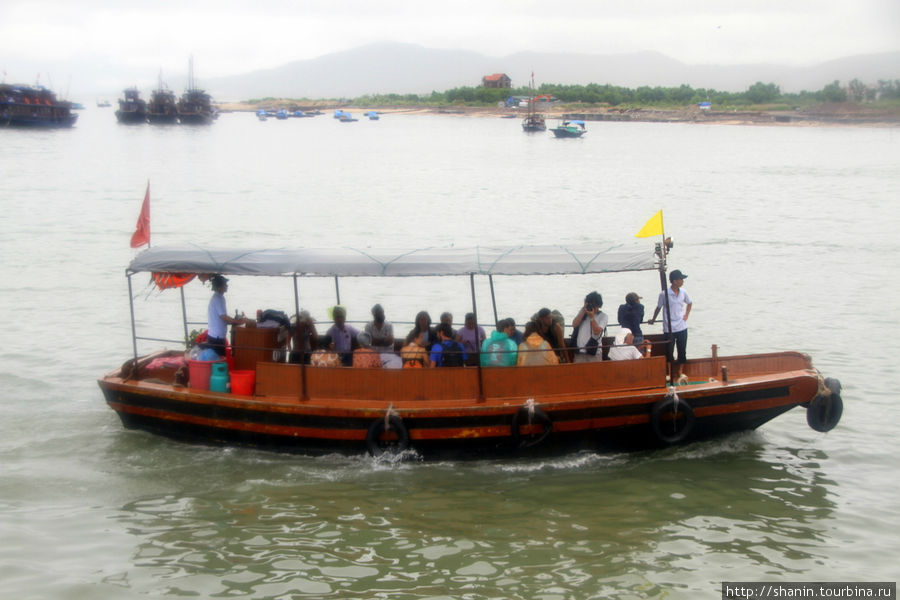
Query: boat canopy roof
(386, 262)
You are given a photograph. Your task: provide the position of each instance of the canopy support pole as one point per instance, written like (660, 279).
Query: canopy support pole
(187, 337)
(337, 289)
(133, 328)
(493, 299)
(304, 396)
(669, 336)
(477, 348)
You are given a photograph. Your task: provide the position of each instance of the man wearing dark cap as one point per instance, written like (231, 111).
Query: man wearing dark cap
(217, 315)
(679, 310)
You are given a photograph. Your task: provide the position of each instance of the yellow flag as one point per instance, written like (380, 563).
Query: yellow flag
(652, 227)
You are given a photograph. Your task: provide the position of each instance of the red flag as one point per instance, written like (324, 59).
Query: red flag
(141, 233)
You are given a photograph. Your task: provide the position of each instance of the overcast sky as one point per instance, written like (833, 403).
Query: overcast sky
(90, 44)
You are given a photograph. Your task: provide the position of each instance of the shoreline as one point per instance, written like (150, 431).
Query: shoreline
(823, 115)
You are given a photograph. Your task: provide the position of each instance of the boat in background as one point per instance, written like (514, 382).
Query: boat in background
(195, 106)
(373, 116)
(33, 106)
(103, 104)
(347, 118)
(132, 109)
(569, 129)
(533, 121)
(162, 108)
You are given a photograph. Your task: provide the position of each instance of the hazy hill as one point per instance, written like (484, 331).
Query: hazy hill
(407, 68)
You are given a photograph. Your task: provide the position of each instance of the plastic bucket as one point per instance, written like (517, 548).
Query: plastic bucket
(198, 374)
(218, 380)
(243, 382)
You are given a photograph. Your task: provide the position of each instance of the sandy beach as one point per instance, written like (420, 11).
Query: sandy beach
(821, 115)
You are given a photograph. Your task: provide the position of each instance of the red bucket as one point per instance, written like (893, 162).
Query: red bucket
(198, 374)
(243, 382)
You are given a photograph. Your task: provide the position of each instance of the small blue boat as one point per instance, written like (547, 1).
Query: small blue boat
(373, 116)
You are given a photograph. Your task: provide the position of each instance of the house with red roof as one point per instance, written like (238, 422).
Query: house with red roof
(497, 80)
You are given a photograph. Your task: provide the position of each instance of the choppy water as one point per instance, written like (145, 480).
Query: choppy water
(788, 236)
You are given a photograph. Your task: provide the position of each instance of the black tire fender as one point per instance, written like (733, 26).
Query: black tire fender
(538, 417)
(378, 427)
(825, 410)
(666, 429)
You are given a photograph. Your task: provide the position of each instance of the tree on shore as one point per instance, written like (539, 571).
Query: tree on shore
(765, 95)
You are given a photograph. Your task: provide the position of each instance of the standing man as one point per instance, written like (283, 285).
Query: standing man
(680, 308)
(589, 325)
(217, 316)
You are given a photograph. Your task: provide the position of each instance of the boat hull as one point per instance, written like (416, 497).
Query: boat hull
(38, 121)
(567, 133)
(315, 410)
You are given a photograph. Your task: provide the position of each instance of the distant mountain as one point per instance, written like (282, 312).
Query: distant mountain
(411, 69)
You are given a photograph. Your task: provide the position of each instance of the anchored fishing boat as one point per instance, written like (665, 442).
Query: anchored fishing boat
(195, 107)
(465, 411)
(33, 106)
(570, 128)
(533, 121)
(163, 107)
(132, 108)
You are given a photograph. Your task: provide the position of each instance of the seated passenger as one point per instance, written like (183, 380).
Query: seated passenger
(631, 315)
(365, 357)
(422, 325)
(447, 318)
(304, 338)
(414, 355)
(380, 330)
(447, 352)
(471, 337)
(499, 350)
(324, 356)
(624, 347)
(551, 330)
(516, 335)
(343, 336)
(535, 351)
(382, 333)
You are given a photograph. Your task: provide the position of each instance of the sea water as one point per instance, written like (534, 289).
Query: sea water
(788, 235)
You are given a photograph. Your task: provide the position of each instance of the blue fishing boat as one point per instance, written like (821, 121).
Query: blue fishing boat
(569, 129)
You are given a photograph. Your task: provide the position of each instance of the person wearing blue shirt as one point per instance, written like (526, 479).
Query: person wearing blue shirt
(631, 315)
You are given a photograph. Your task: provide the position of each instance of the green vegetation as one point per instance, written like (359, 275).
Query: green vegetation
(758, 96)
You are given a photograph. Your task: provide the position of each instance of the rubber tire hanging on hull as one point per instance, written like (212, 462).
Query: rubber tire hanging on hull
(539, 418)
(661, 428)
(378, 427)
(825, 410)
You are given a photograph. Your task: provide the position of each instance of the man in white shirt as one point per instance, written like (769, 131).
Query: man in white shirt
(217, 316)
(679, 309)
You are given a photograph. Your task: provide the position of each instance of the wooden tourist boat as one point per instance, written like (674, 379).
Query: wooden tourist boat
(455, 411)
